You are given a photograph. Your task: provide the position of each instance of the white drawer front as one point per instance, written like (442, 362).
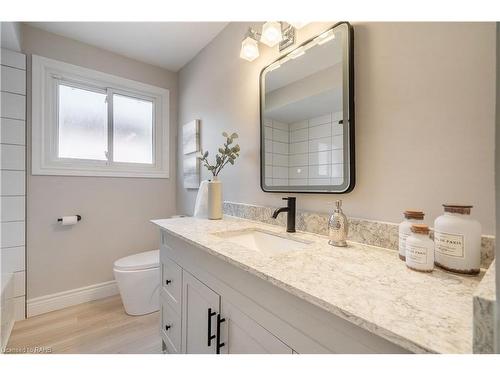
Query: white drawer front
(170, 327)
(171, 279)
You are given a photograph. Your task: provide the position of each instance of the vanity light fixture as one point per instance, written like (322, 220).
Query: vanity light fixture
(249, 46)
(271, 33)
(325, 37)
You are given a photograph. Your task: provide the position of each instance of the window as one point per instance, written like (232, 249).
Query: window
(90, 123)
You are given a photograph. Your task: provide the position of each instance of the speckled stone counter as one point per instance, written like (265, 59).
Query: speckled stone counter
(366, 285)
(484, 318)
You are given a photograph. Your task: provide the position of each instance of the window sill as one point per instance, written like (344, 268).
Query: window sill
(98, 172)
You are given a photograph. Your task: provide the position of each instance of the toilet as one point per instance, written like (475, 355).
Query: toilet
(138, 279)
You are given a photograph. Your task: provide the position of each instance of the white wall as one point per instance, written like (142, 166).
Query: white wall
(115, 211)
(425, 118)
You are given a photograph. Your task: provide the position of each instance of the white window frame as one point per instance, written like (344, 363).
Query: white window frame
(47, 74)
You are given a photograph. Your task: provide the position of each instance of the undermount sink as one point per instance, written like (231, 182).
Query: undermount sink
(263, 241)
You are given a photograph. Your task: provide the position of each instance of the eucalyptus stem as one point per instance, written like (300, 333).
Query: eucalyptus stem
(225, 155)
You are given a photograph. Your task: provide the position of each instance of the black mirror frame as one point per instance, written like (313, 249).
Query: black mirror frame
(351, 118)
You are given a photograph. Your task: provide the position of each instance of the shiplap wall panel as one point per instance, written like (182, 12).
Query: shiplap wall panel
(19, 285)
(13, 106)
(12, 208)
(13, 157)
(12, 234)
(13, 182)
(13, 80)
(12, 131)
(13, 59)
(13, 259)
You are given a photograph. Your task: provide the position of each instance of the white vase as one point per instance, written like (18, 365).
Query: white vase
(215, 199)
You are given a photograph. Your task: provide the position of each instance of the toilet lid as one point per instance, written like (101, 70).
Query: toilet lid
(141, 261)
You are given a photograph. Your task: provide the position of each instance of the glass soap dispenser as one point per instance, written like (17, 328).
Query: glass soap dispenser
(338, 227)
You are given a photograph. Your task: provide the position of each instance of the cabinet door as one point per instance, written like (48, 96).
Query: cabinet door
(242, 335)
(198, 300)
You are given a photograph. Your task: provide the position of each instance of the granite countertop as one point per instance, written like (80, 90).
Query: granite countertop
(484, 313)
(366, 285)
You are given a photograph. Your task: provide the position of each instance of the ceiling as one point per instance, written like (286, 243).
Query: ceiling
(170, 45)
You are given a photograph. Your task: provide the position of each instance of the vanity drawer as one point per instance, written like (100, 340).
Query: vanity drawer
(171, 279)
(170, 327)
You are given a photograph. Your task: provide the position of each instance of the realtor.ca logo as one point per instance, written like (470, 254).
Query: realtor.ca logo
(29, 350)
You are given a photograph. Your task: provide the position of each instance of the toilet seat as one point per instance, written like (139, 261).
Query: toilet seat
(141, 261)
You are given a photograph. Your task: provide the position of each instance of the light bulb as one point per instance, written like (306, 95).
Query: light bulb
(271, 34)
(249, 49)
(298, 25)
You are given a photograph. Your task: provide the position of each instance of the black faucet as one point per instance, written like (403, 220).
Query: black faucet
(290, 210)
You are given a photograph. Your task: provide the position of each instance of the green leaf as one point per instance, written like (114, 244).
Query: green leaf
(224, 134)
(205, 154)
(234, 135)
(231, 161)
(221, 150)
(229, 141)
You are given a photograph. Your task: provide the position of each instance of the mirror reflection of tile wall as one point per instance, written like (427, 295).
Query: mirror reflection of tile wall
(308, 152)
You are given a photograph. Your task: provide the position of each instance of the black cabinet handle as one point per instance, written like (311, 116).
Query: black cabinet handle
(167, 327)
(167, 282)
(210, 337)
(218, 343)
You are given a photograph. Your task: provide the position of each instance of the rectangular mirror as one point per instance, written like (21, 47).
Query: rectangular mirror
(307, 116)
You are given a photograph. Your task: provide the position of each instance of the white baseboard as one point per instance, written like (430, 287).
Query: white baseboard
(57, 301)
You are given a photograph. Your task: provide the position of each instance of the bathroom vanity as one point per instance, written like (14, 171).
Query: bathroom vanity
(240, 286)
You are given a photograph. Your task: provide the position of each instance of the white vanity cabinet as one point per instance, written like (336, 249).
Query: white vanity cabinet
(200, 310)
(210, 306)
(208, 324)
(243, 335)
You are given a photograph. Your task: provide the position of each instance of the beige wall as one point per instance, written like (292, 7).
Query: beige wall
(497, 191)
(116, 211)
(425, 118)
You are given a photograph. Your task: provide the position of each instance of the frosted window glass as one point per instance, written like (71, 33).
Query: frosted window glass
(82, 124)
(132, 130)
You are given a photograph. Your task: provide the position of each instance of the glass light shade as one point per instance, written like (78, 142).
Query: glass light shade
(249, 49)
(271, 34)
(298, 25)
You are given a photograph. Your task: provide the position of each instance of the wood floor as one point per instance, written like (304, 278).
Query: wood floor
(90, 328)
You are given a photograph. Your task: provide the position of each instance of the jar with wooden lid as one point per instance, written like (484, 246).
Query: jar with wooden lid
(457, 239)
(420, 249)
(411, 217)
